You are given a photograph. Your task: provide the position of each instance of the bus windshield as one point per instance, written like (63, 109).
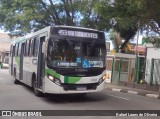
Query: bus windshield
(66, 53)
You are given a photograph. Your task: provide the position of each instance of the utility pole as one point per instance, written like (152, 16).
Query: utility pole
(136, 54)
(138, 24)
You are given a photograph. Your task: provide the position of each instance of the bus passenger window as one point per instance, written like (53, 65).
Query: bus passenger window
(35, 47)
(25, 49)
(19, 50)
(11, 49)
(30, 48)
(16, 51)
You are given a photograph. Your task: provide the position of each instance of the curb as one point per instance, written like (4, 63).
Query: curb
(156, 96)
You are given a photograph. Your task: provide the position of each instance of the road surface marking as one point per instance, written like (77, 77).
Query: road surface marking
(116, 89)
(132, 92)
(1, 79)
(152, 95)
(117, 97)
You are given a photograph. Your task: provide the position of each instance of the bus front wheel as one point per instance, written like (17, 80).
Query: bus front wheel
(36, 91)
(15, 80)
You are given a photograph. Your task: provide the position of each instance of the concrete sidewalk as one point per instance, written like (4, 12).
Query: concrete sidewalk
(5, 66)
(135, 91)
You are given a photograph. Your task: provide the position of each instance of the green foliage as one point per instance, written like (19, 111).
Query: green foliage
(124, 16)
(22, 16)
(153, 40)
(130, 16)
(112, 38)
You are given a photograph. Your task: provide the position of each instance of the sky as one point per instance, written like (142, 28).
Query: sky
(1, 31)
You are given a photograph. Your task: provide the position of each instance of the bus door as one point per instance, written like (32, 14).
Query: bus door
(12, 55)
(21, 62)
(41, 63)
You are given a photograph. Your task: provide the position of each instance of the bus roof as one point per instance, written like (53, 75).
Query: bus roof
(20, 39)
(24, 38)
(75, 27)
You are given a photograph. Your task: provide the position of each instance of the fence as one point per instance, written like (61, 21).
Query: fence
(152, 75)
(4, 57)
(127, 69)
(109, 69)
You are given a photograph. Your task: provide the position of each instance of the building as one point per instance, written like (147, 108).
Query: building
(152, 72)
(5, 41)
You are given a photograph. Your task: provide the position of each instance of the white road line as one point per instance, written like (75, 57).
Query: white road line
(1, 79)
(152, 95)
(117, 97)
(132, 92)
(116, 89)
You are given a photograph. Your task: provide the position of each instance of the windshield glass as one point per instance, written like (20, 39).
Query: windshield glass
(93, 54)
(67, 53)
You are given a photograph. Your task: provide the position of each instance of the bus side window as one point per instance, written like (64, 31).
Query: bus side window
(27, 47)
(24, 49)
(30, 48)
(35, 47)
(16, 51)
(19, 49)
(11, 49)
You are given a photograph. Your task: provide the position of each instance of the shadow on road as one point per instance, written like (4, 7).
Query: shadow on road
(69, 98)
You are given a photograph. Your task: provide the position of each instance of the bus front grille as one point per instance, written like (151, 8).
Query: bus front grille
(91, 86)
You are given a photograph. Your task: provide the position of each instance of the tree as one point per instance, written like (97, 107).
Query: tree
(116, 39)
(22, 16)
(130, 16)
(125, 17)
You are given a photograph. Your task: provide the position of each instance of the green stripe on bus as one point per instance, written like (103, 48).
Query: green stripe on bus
(71, 80)
(67, 79)
(53, 73)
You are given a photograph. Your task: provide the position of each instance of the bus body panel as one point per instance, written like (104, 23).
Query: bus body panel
(52, 88)
(31, 67)
(75, 80)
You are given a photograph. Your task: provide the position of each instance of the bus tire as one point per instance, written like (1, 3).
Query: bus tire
(35, 89)
(15, 80)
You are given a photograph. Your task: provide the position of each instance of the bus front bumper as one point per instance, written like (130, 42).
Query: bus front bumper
(53, 88)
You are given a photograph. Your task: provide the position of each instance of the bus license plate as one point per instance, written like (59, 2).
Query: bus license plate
(81, 88)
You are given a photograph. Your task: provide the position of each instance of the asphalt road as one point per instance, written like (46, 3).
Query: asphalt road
(21, 97)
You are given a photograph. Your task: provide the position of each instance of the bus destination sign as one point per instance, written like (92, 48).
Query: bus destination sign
(78, 34)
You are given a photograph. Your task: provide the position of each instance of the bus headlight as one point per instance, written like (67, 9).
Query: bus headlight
(50, 77)
(102, 79)
(55, 80)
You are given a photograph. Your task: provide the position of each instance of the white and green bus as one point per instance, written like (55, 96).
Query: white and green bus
(60, 60)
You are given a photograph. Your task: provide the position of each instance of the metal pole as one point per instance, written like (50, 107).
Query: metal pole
(119, 69)
(137, 39)
(112, 69)
(136, 53)
(152, 70)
